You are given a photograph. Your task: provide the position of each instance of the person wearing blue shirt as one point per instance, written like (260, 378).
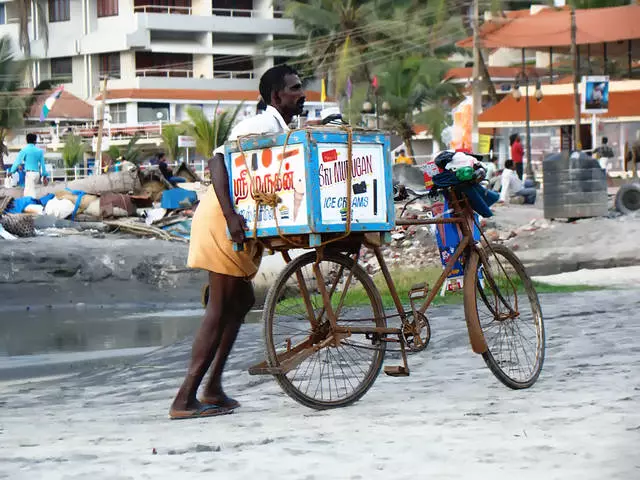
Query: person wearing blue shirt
(33, 160)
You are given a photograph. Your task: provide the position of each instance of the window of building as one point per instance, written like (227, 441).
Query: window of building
(109, 65)
(62, 70)
(3, 14)
(148, 112)
(107, 8)
(118, 112)
(59, 10)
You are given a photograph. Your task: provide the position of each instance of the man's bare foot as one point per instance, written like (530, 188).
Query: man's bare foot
(219, 399)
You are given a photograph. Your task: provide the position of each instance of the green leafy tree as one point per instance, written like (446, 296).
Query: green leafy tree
(342, 38)
(73, 150)
(170, 134)
(414, 91)
(209, 134)
(15, 104)
(131, 152)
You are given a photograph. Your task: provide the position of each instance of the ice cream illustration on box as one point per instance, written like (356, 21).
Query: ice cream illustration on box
(298, 192)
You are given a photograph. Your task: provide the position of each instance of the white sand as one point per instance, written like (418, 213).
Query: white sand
(450, 419)
(628, 277)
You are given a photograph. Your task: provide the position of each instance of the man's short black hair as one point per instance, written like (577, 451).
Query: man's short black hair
(605, 140)
(512, 138)
(273, 80)
(161, 155)
(508, 164)
(32, 138)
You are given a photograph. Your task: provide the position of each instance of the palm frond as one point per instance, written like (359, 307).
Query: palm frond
(73, 150)
(170, 134)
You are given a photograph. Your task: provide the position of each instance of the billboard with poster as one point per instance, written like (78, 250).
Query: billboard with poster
(595, 96)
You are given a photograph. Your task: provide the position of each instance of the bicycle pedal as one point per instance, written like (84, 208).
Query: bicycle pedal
(418, 291)
(396, 371)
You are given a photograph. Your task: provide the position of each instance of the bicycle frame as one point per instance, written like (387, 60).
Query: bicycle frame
(463, 216)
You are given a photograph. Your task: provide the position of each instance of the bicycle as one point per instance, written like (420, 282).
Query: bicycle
(323, 360)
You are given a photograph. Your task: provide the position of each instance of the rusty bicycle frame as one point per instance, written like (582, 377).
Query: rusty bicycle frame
(332, 333)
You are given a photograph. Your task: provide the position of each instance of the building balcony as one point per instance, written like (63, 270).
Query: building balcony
(166, 73)
(234, 74)
(164, 9)
(235, 12)
(196, 83)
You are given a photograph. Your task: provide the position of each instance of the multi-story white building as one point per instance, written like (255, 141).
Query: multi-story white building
(160, 56)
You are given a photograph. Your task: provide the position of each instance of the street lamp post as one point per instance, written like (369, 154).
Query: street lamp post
(160, 116)
(367, 109)
(524, 78)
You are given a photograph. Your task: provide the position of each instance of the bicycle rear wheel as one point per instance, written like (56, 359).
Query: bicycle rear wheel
(332, 375)
(506, 305)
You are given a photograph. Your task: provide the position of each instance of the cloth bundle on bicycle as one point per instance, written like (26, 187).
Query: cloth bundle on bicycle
(458, 168)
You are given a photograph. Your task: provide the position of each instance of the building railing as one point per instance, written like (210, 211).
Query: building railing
(234, 12)
(61, 78)
(155, 72)
(162, 9)
(233, 74)
(278, 14)
(61, 174)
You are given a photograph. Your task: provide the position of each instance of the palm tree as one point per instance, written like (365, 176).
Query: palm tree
(15, 103)
(210, 134)
(25, 14)
(73, 150)
(131, 152)
(342, 35)
(170, 134)
(413, 89)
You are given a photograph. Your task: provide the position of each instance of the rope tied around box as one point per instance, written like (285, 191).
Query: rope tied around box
(272, 199)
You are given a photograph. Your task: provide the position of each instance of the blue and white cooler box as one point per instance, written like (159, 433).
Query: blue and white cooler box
(448, 237)
(310, 178)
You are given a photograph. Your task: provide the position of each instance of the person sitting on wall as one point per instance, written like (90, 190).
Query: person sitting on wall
(402, 158)
(513, 189)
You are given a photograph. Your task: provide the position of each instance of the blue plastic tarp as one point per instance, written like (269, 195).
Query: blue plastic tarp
(178, 198)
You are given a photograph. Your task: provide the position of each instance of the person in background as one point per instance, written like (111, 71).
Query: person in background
(32, 160)
(513, 187)
(604, 153)
(517, 154)
(402, 158)
(162, 165)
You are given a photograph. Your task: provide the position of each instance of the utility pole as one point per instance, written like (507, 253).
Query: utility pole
(477, 84)
(98, 164)
(577, 144)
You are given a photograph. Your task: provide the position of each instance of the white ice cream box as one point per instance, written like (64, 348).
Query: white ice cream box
(308, 171)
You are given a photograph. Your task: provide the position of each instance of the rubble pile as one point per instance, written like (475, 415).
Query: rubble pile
(137, 202)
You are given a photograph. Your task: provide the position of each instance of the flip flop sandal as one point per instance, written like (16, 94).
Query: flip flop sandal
(230, 403)
(208, 410)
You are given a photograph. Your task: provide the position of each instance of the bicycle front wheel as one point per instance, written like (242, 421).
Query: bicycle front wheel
(333, 373)
(506, 305)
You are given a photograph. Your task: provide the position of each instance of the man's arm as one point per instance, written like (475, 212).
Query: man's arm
(43, 167)
(19, 161)
(220, 182)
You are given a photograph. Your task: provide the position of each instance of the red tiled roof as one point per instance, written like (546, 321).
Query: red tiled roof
(558, 107)
(68, 106)
(192, 95)
(553, 29)
(463, 73)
